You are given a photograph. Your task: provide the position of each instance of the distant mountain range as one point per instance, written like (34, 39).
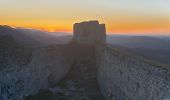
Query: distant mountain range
(152, 47)
(34, 38)
(140, 42)
(163, 37)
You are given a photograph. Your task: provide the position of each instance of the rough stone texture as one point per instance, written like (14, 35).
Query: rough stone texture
(124, 77)
(90, 32)
(25, 71)
(84, 52)
(81, 81)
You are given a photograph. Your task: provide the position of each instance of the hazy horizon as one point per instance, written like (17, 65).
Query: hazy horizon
(71, 33)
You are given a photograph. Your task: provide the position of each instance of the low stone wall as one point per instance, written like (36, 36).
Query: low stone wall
(123, 77)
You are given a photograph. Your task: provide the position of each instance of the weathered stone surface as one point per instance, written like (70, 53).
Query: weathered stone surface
(25, 71)
(124, 77)
(90, 32)
(81, 81)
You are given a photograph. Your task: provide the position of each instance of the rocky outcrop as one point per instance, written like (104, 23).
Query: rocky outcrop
(25, 71)
(12, 54)
(126, 77)
(122, 76)
(81, 81)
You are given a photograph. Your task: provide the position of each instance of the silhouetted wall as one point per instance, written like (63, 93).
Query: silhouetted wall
(89, 32)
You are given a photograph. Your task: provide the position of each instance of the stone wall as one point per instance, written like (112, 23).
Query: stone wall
(125, 77)
(25, 71)
(89, 32)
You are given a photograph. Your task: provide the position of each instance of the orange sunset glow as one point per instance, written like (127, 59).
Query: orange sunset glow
(120, 17)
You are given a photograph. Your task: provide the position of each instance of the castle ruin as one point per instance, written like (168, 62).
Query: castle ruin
(88, 65)
(89, 32)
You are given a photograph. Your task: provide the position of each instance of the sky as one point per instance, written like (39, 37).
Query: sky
(120, 16)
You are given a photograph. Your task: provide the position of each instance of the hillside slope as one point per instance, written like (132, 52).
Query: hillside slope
(34, 38)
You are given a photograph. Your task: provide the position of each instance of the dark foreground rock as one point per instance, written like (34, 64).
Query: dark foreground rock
(81, 81)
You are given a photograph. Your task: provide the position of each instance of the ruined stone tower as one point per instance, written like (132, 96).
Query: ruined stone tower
(89, 32)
